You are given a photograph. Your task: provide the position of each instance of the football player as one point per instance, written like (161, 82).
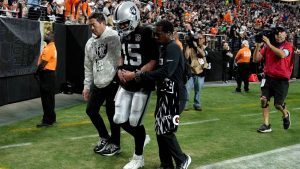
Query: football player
(139, 52)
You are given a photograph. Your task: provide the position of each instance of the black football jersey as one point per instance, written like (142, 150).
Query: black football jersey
(138, 48)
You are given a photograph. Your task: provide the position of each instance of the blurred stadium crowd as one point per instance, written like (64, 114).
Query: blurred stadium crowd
(223, 20)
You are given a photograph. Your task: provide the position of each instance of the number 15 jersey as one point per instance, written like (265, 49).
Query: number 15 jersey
(139, 48)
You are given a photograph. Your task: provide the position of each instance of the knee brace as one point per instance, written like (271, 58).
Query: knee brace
(280, 107)
(264, 102)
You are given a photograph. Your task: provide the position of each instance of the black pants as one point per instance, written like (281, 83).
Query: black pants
(243, 76)
(225, 70)
(169, 149)
(169, 104)
(139, 134)
(97, 97)
(47, 90)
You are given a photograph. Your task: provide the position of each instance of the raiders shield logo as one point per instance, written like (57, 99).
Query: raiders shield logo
(133, 10)
(138, 37)
(101, 50)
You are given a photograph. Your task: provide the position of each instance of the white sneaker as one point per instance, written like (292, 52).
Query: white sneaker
(147, 140)
(135, 163)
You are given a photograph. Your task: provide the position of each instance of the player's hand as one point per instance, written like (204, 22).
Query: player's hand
(86, 94)
(121, 77)
(128, 75)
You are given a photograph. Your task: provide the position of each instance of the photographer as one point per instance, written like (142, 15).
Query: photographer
(278, 58)
(195, 52)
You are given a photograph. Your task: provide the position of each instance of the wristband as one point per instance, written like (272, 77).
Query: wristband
(138, 75)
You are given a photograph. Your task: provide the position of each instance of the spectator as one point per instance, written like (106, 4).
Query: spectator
(106, 11)
(277, 70)
(226, 59)
(46, 75)
(86, 9)
(242, 59)
(58, 7)
(3, 8)
(178, 42)
(72, 11)
(102, 52)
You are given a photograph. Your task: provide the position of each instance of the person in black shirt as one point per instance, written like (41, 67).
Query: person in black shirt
(171, 94)
(226, 60)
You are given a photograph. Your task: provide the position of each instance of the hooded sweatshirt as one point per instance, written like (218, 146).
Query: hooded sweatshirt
(101, 59)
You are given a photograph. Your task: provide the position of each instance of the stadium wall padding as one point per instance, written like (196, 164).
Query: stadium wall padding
(70, 41)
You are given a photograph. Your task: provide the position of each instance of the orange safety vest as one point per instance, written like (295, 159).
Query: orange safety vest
(243, 55)
(49, 54)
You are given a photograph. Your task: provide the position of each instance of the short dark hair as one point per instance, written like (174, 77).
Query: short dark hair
(98, 16)
(50, 36)
(167, 26)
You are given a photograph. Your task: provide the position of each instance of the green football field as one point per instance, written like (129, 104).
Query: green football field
(224, 130)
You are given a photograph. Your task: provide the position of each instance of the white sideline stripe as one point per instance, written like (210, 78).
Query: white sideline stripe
(182, 124)
(82, 137)
(88, 136)
(15, 145)
(248, 115)
(249, 157)
(198, 122)
(256, 114)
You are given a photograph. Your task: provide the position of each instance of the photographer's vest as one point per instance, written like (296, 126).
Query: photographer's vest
(198, 64)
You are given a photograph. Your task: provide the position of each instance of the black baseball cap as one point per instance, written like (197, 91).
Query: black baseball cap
(280, 29)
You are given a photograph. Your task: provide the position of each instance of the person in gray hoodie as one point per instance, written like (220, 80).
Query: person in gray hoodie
(102, 52)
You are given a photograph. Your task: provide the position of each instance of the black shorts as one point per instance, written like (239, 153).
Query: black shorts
(275, 87)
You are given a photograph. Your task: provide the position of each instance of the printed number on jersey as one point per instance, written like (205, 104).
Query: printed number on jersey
(132, 58)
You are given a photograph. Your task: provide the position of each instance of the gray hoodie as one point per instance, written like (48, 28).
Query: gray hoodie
(101, 59)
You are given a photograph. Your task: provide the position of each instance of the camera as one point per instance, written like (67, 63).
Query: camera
(269, 33)
(190, 39)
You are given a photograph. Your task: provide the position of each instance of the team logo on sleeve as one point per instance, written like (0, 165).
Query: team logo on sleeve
(138, 37)
(101, 50)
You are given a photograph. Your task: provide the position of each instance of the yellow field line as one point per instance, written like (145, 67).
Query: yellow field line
(68, 124)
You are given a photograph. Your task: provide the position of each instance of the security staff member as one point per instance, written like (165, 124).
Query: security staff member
(242, 59)
(46, 73)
